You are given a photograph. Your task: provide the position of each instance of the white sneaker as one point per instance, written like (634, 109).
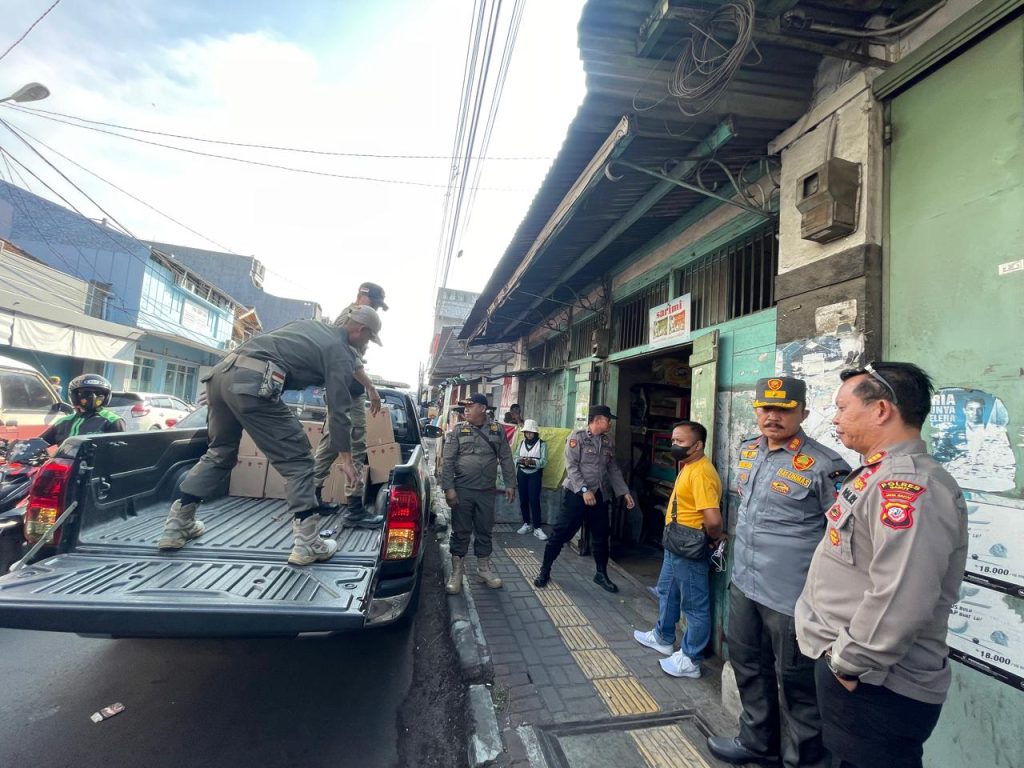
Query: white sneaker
(525, 528)
(650, 639)
(680, 665)
(539, 533)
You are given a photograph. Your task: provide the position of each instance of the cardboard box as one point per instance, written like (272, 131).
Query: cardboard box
(382, 459)
(379, 430)
(315, 432)
(248, 448)
(335, 488)
(249, 477)
(275, 485)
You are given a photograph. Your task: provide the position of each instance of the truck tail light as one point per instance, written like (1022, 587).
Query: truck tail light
(46, 499)
(405, 521)
(139, 410)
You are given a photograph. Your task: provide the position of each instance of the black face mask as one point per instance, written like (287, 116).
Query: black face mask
(680, 452)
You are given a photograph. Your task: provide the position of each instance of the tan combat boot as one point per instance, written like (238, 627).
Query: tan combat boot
(484, 573)
(307, 545)
(180, 526)
(454, 585)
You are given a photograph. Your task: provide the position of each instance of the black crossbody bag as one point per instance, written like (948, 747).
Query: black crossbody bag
(682, 540)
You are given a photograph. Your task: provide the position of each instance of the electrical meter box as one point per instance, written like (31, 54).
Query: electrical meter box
(827, 200)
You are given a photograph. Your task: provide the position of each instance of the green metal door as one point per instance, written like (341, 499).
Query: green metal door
(704, 385)
(955, 306)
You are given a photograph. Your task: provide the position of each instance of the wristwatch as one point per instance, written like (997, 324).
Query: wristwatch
(838, 672)
(583, 489)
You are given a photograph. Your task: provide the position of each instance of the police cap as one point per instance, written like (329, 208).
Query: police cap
(780, 392)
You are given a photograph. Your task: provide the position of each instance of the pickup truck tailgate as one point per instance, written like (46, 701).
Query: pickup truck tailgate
(161, 597)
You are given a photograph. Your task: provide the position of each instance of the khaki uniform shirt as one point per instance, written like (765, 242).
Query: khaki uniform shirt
(472, 455)
(590, 462)
(313, 353)
(784, 495)
(887, 572)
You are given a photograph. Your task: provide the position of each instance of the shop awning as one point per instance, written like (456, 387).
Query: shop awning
(29, 324)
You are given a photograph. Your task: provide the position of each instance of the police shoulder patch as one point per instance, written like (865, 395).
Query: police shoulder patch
(573, 442)
(875, 457)
(802, 462)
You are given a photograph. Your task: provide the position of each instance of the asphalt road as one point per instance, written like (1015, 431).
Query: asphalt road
(352, 700)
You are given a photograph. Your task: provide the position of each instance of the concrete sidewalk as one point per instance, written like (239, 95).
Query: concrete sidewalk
(571, 686)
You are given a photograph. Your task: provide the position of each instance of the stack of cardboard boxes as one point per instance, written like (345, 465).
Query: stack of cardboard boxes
(253, 476)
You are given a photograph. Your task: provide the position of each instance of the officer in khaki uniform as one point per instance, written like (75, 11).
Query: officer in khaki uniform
(786, 481)
(473, 450)
(244, 392)
(882, 581)
(592, 476)
(361, 390)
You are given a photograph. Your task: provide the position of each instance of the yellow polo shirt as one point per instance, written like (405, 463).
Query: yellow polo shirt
(697, 487)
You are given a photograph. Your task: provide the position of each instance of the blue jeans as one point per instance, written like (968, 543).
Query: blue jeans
(683, 588)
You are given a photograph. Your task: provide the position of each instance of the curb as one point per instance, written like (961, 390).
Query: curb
(475, 666)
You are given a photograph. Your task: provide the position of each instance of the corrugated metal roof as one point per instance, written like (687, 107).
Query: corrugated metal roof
(761, 101)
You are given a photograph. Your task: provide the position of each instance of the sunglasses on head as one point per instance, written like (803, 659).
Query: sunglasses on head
(869, 369)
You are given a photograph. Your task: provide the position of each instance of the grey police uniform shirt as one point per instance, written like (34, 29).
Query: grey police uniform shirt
(784, 495)
(472, 455)
(886, 574)
(313, 353)
(590, 461)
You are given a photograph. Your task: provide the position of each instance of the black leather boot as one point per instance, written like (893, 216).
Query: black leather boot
(602, 580)
(731, 750)
(543, 577)
(358, 516)
(326, 507)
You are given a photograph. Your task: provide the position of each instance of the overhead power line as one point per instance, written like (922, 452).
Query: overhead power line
(247, 161)
(330, 153)
(31, 27)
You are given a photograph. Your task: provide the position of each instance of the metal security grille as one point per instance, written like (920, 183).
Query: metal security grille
(535, 357)
(582, 340)
(736, 280)
(556, 351)
(630, 316)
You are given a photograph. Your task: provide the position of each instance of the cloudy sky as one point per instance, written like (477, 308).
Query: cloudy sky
(338, 75)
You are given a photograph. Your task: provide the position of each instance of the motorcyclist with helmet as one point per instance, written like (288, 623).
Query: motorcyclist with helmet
(89, 394)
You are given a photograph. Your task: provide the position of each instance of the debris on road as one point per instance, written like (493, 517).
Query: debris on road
(107, 712)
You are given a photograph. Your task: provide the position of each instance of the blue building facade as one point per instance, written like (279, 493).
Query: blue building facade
(188, 321)
(242, 278)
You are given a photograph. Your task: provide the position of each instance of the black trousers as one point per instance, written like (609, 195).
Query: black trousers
(529, 497)
(574, 513)
(872, 726)
(776, 682)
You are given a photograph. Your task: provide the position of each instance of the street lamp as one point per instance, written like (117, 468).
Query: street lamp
(30, 92)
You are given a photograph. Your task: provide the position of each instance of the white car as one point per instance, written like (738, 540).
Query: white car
(28, 403)
(143, 411)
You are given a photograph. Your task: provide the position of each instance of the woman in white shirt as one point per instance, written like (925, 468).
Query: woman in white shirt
(531, 458)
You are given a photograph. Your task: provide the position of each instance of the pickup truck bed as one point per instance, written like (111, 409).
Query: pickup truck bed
(107, 577)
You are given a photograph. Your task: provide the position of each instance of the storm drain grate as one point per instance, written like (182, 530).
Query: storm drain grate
(664, 740)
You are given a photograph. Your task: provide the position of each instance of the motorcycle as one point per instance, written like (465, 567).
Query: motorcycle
(22, 461)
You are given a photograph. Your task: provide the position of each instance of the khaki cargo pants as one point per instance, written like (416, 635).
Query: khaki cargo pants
(277, 432)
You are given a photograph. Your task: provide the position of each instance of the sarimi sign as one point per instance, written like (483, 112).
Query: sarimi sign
(669, 323)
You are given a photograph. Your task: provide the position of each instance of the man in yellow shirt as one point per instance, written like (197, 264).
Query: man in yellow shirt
(683, 584)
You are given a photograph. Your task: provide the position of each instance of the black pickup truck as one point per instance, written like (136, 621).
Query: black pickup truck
(104, 575)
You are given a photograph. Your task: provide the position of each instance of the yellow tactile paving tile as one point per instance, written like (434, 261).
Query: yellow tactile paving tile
(518, 552)
(551, 598)
(581, 638)
(599, 663)
(667, 747)
(567, 616)
(625, 696)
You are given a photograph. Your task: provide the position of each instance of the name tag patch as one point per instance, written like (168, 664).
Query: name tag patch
(794, 477)
(849, 495)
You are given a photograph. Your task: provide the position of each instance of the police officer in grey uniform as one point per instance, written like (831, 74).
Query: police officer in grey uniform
(362, 389)
(592, 476)
(244, 392)
(786, 481)
(473, 450)
(875, 607)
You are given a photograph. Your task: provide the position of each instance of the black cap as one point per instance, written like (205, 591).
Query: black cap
(600, 410)
(375, 294)
(477, 398)
(780, 392)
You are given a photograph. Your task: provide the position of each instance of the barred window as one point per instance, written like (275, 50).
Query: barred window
(630, 316)
(736, 280)
(581, 342)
